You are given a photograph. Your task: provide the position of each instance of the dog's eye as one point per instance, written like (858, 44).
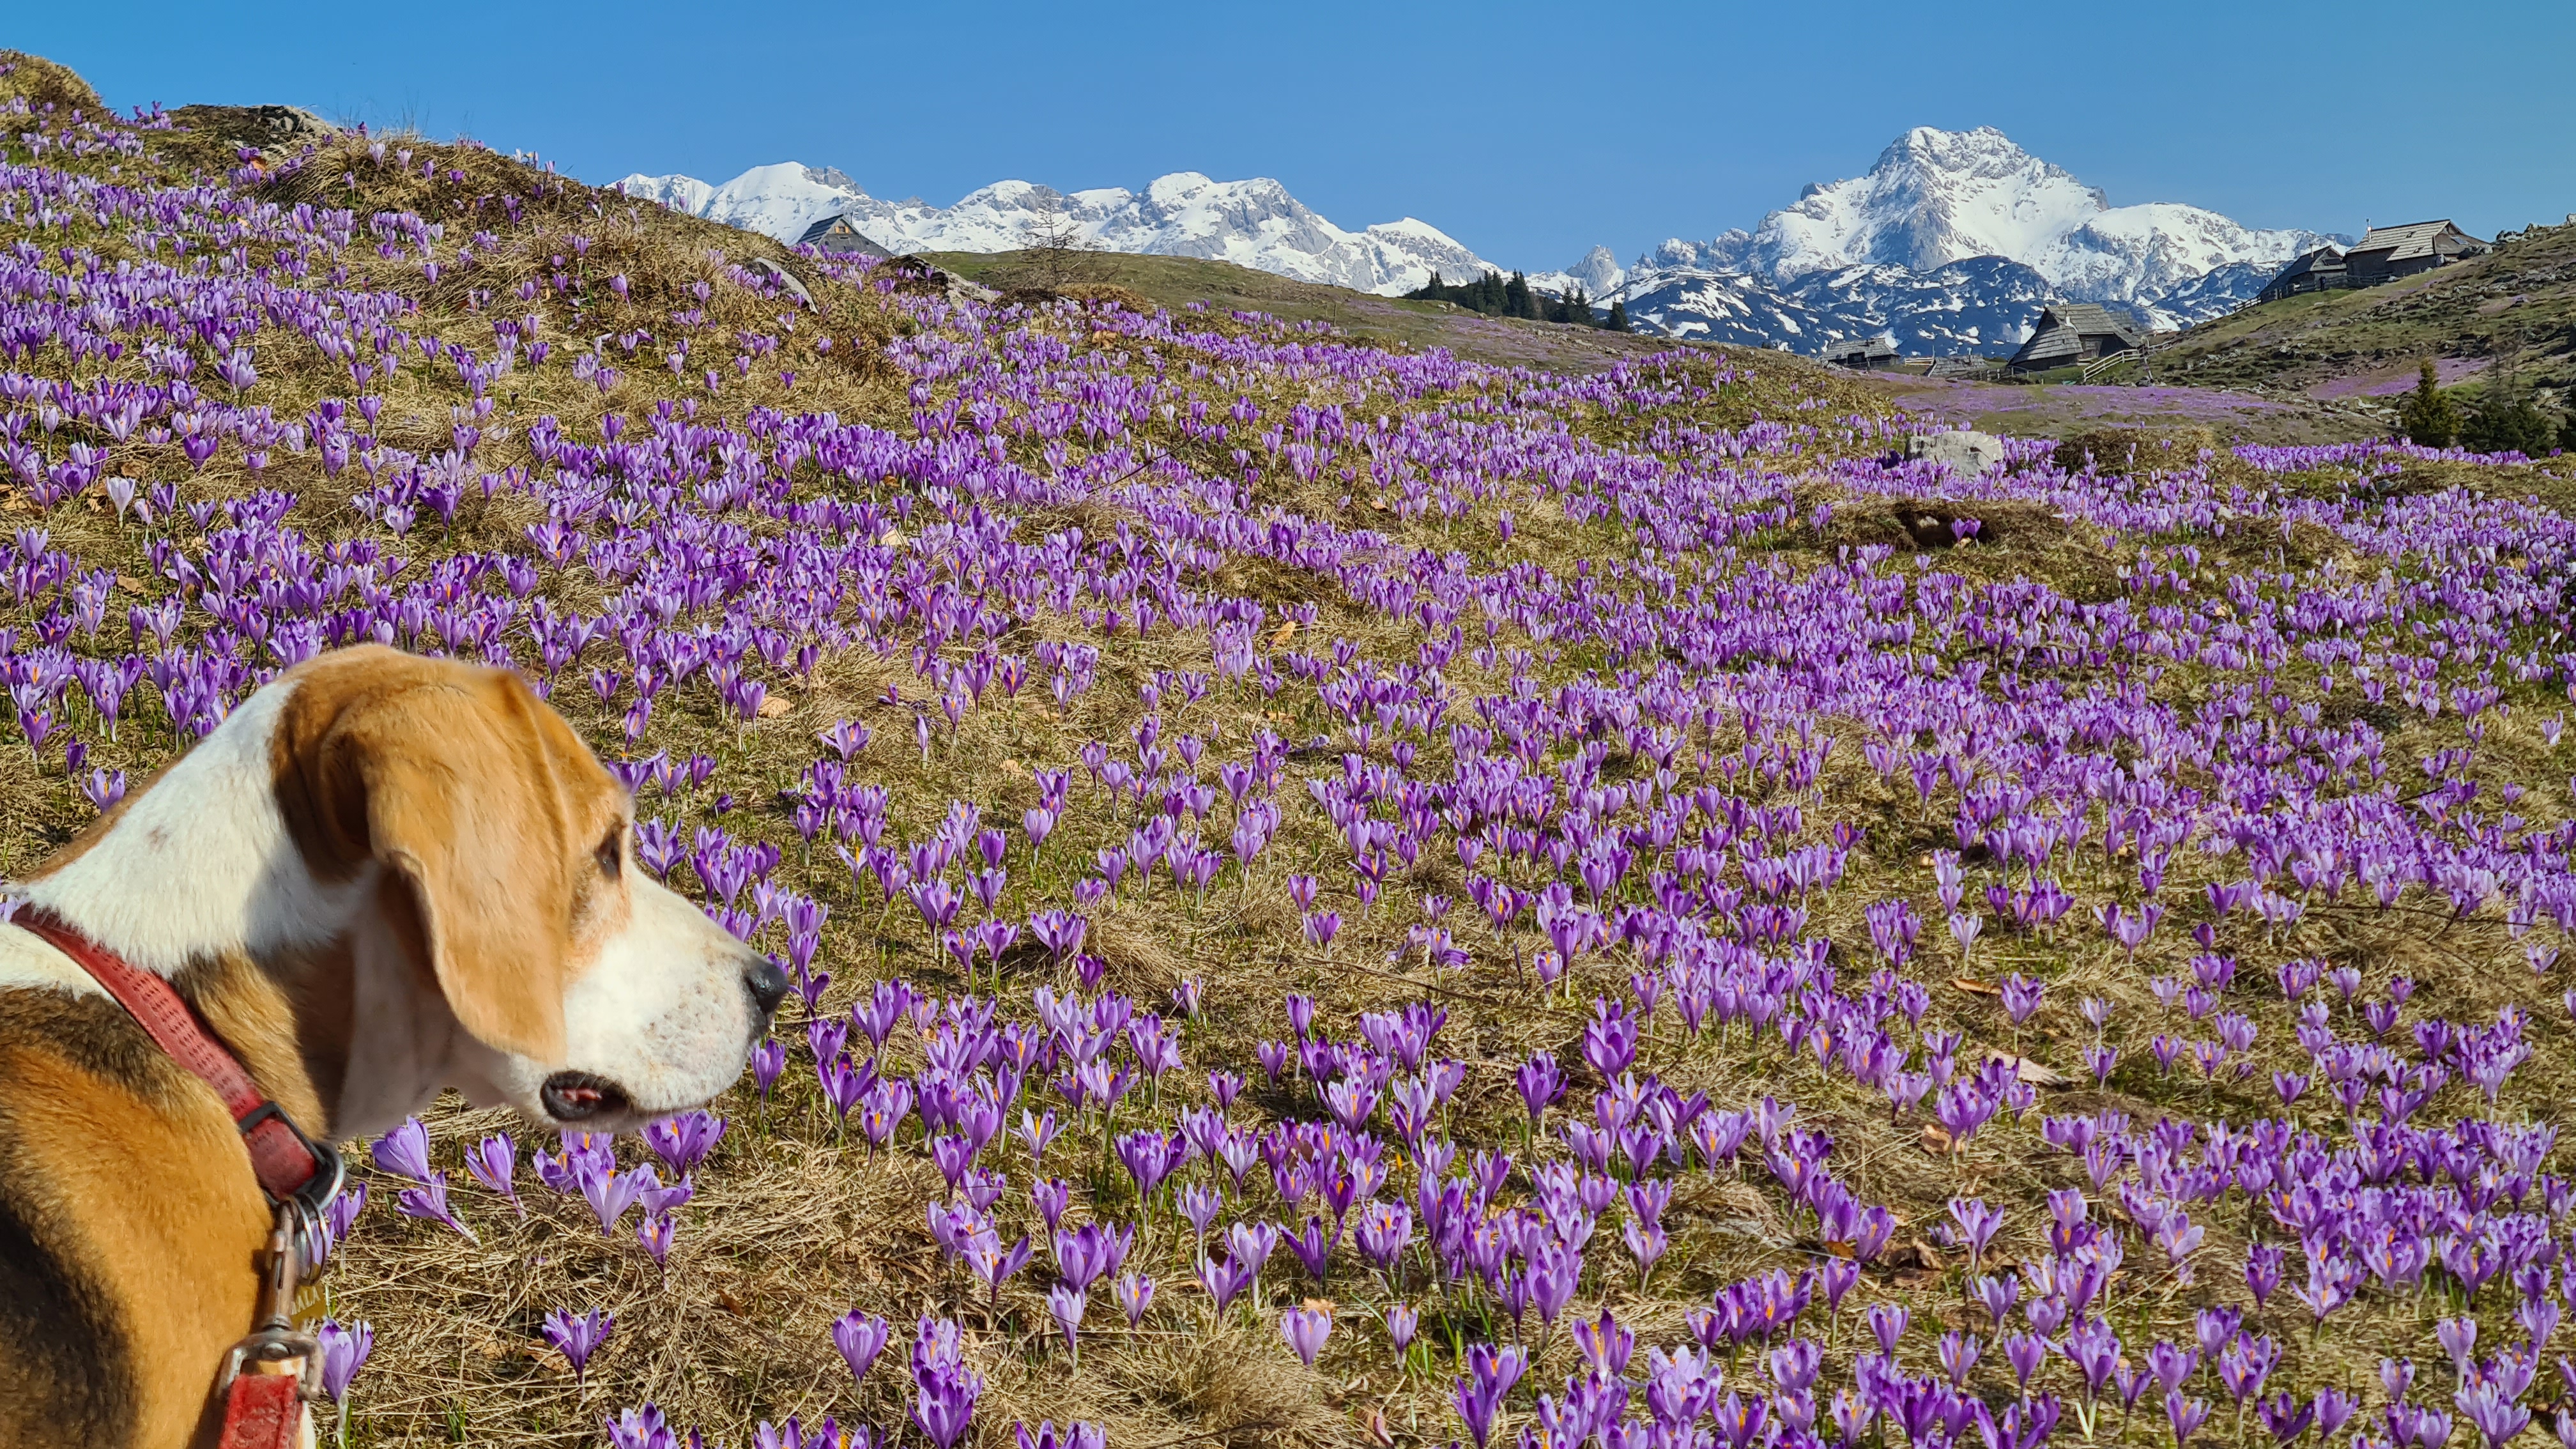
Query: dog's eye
(608, 854)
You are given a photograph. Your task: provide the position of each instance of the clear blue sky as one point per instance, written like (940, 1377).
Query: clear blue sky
(1528, 132)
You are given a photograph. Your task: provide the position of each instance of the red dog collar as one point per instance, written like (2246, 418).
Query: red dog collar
(270, 1379)
(293, 1169)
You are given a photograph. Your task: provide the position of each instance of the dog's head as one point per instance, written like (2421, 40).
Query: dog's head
(584, 992)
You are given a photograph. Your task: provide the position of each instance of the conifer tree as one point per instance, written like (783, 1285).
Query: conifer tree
(2506, 421)
(2429, 418)
(1618, 316)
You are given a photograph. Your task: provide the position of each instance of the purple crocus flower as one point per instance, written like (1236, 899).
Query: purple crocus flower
(768, 1060)
(429, 1200)
(344, 1352)
(1074, 1436)
(944, 1389)
(1066, 1304)
(1479, 1395)
(643, 1428)
(1134, 1295)
(860, 1338)
(337, 1219)
(1225, 1279)
(1887, 1322)
(577, 1339)
(494, 1161)
(2185, 1416)
(404, 1151)
(1539, 1082)
(685, 1140)
(1977, 1222)
(1306, 1329)
(1402, 1319)
(655, 1231)
(610, 1193)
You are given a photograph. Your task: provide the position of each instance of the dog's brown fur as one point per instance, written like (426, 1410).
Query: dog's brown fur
(130, 1221)
(130, 1229)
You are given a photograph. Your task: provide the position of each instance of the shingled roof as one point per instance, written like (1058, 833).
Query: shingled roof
(840, 235)
(2057, 338)
(1859, 351)
(2323, 259)
(2414, 239)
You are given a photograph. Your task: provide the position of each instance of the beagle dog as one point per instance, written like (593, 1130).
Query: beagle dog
(380, 876)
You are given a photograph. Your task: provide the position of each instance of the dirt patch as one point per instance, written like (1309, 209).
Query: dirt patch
(2133, 450)
(2397, 378)
(1932, 524)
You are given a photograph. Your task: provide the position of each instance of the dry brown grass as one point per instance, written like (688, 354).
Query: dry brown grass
(42, 83)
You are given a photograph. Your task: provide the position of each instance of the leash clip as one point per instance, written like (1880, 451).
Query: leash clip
(277, 1347)
(284, 1353)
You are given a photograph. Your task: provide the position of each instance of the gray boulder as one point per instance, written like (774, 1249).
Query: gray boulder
(1964, 452)
(273, 131)
(786, 280)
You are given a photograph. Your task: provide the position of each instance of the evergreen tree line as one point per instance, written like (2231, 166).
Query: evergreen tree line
(1495, 295)
(2503, 419)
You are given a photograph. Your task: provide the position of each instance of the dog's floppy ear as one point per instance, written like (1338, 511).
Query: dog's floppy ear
(447, 776)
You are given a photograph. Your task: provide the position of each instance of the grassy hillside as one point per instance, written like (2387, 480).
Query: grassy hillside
(2059, 410)
(2514, 308)
(1578, 904)
(2034, 411)
(1177, 282)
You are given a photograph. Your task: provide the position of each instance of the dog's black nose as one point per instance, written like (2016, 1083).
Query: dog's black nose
(767, 985)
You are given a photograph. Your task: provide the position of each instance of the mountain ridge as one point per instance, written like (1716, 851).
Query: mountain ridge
(1850, 258)
(1951, 242)
(1254, 222)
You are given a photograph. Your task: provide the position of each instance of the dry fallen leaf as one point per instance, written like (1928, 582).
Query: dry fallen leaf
(1936, 1140)
(2029, 1071)
(1974, 987)
(774, 706)
(128, 585)
(1286, 632)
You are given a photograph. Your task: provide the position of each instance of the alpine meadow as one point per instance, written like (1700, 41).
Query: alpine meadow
(1343, 891)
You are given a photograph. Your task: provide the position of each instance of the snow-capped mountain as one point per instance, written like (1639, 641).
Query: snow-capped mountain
(1254, 223)
(1950, 244)
(1883, 253)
